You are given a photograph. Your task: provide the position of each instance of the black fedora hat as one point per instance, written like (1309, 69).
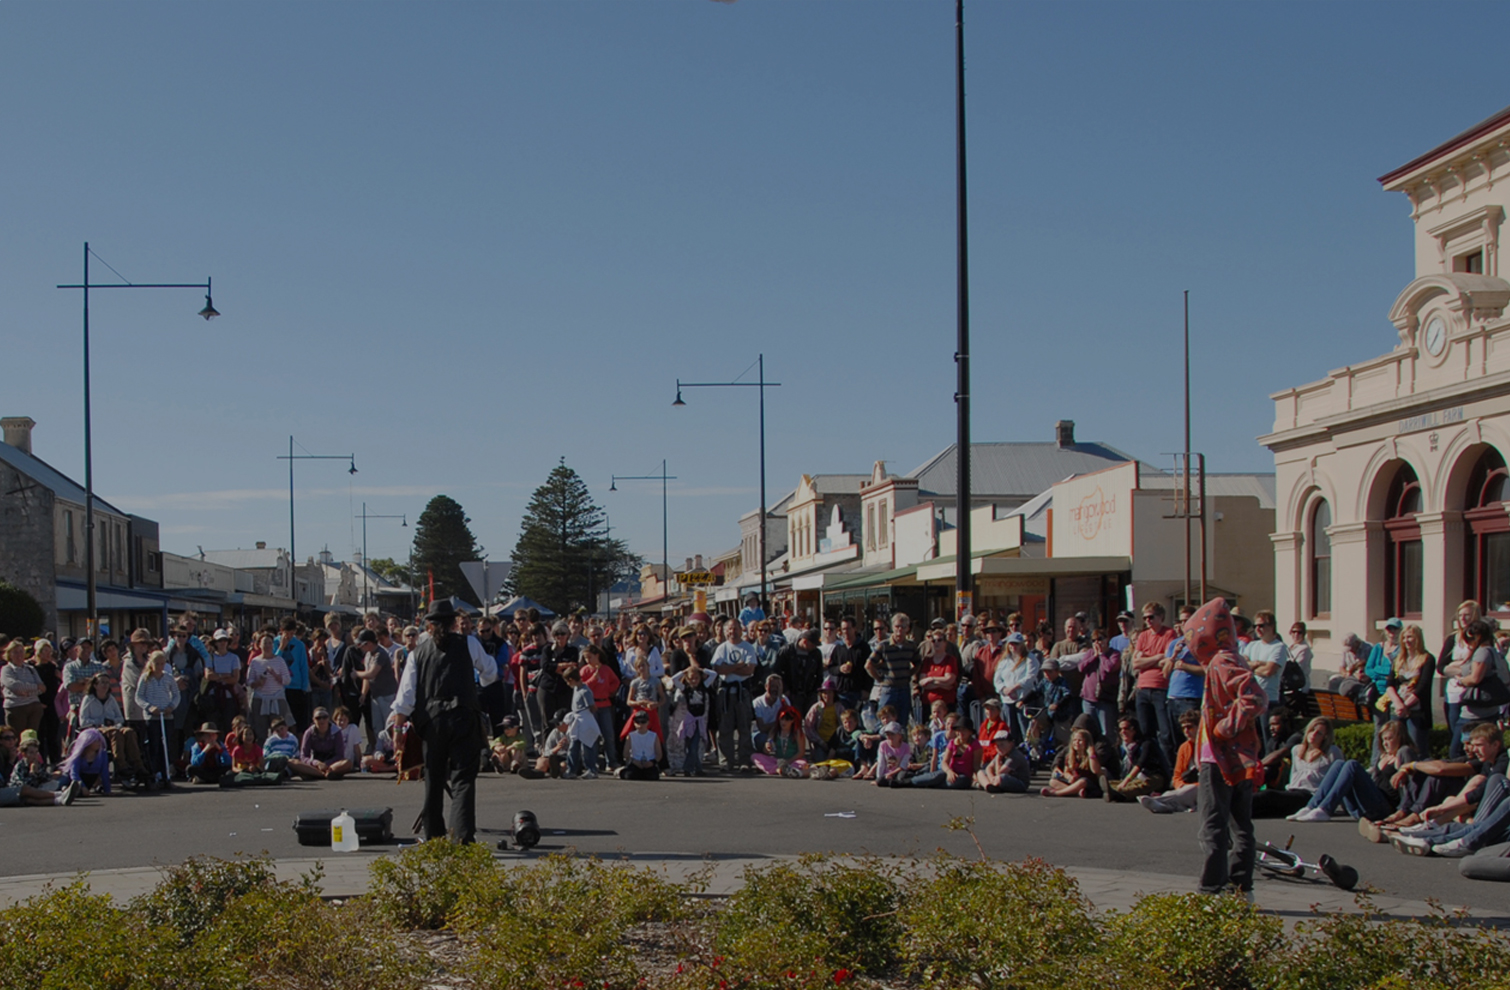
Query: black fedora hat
(442, 612)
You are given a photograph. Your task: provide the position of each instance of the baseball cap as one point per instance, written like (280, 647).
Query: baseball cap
(1393, 623)
(221, 634)
(892, 728)
(1002, 735)
(1016, 637)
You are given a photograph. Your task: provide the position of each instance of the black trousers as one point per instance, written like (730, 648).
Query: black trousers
(1226, 814)
(453, 747)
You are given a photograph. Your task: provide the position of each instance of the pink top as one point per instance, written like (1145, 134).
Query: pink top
(889, 757)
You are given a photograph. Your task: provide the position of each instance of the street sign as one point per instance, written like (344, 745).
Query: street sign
(696, 577)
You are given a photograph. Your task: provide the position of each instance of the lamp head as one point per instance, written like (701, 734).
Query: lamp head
(209, 312)
(353, 468)
(613, 485)
(678, 401)
(405, 522)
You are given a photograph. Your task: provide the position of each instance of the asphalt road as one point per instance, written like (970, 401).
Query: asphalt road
(718, 816)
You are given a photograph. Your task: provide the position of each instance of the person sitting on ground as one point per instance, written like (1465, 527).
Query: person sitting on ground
(507, 752)
(100, 710)
(241, 744)
(351, 748)
(1362, 792)
(1349, 681)
(556, 753)
(1077, 769)
(208, 760)
(843, 745)
(867, 744)
(1279, 741)
(1187, 772)
(1309, 762)
(280, 750)
(892, 756)
(767, 707)
(787, 745)
(14, 795)
(821, 723)
(646, 694)
(1489, 826)
(88, 762)
(1435, 791)
(959, 762)
(1143, 768)
(31, 783)
(642, 750)
(1008, 771)
(938, 720)
(322, 751)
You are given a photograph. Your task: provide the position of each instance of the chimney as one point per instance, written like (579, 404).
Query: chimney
(18, 432)
(697, 562)
(1064, 433)
(689, 565)
(261, 544)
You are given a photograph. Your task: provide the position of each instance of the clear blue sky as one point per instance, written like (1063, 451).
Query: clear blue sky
(464, 240)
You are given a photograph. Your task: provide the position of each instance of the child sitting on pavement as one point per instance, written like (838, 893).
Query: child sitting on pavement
(893, 757)
(508, 749)
(1008, 771)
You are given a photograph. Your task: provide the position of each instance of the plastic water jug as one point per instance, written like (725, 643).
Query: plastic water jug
(343, 833)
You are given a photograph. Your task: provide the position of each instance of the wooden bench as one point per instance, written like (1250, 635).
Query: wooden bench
(1339, 708)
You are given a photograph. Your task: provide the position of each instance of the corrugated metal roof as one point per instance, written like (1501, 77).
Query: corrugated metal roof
(45, 474)
(1017, 470)
(244, 559)
(1259, 486)
(839, 484)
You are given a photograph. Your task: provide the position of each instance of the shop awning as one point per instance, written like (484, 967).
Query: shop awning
(71, 599)
(983, 564)
(875, 579)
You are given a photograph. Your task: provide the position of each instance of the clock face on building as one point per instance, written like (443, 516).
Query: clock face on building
(1435, 336)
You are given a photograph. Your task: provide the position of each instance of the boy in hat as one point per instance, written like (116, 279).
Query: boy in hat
(1007, 771)
(208, 759)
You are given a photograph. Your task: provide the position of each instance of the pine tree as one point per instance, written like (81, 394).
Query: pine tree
(563, 557)
(442, 540)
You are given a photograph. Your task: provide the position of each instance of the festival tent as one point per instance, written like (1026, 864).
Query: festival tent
(519, 602)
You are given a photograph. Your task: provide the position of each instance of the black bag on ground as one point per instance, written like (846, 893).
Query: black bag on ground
(373, 825)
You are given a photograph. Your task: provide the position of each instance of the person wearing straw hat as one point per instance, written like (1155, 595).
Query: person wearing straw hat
(208, 759)
(439, 693)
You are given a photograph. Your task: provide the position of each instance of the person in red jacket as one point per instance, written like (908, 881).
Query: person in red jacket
(1227, 749)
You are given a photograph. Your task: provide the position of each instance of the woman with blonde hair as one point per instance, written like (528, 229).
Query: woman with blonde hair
(23, 689)
(1457, 650)
(1077, 769)
(1407, 696)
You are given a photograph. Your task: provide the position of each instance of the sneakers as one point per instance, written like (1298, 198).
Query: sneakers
(1311, 815)
(1456, 849)
(1370, 830)
(67, 794)
(590, 775)
(1411, 845)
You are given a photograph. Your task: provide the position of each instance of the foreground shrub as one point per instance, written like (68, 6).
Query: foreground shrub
(981, 924)
(1192, 942)
(800, 924)
(1348, 951)
(191, 895)
(419, 888)
(69, 938)
(284, 937)
(559, 922)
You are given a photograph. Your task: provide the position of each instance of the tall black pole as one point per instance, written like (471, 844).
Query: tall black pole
(1185, 470)
(291, 554)
(765, 605)
(962, 575)
(94, 617)
(665, 528)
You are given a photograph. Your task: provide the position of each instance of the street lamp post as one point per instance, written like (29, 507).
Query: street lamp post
(367, 567)
(963, 577)
(663, 477)
(762, 384)
(291, 457)
(209, 313)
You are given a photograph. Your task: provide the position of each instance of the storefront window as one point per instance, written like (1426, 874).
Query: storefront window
(1403, 561)
(1321, 560)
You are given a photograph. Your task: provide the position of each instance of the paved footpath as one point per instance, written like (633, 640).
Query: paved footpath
(1117, 852)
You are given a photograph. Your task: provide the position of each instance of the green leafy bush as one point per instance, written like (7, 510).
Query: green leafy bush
(284, 937)
(420, 886)
(192, 895)
(1192, 942)
(798, 924)
(987, 925)
(1362, 950)
(559, 922)
(70, 938)
(1356, 740)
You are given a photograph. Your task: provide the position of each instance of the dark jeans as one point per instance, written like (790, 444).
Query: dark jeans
(1348, 784)
(735, 714)
(1105, 714)
(900, 699)
(1491, 823)
(298, 706)
(937, 778)
(1454, 712)
(1225, 810)
(453, 744)
(1153, 720)
(1008, 785)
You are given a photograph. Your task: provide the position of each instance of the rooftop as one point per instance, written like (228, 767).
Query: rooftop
(1485, 126)
(45, 474)
(1017, 470)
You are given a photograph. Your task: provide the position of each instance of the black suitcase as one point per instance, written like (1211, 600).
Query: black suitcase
(373, 825)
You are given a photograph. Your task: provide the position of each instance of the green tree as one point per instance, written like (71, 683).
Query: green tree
(20, 615)
(563, 558)
(387, 569)
(442, 540)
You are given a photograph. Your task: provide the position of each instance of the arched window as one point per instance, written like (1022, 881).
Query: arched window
(1403, 587)
(1488, 532)
(1321, 560)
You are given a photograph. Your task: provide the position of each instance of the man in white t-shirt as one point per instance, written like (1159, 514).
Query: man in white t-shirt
(1266, 657)
(735, 661)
